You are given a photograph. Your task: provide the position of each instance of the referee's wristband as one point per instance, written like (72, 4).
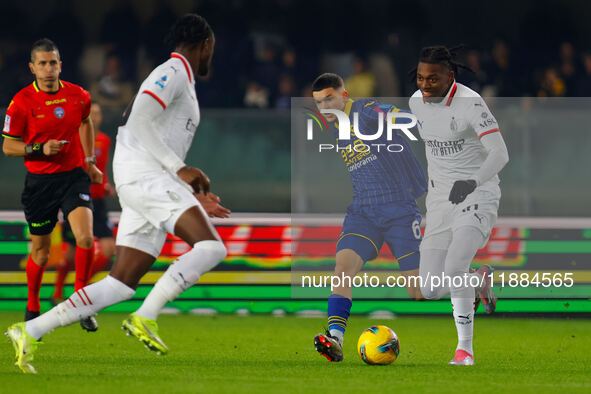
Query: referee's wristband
(90, 159)
(34, 149)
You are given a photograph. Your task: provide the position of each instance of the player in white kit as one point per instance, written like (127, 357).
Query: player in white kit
(159, 194)
(465, 152)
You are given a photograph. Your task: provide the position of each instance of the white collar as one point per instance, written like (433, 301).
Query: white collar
(186, 63)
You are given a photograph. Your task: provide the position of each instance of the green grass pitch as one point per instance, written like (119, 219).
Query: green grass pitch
(229, 353)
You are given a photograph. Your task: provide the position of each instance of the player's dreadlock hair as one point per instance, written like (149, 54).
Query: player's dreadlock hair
(327, 80)
(440, 54)
(44, 45)
(190, 29)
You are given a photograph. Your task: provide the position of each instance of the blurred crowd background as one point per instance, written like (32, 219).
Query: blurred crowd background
(270, 51)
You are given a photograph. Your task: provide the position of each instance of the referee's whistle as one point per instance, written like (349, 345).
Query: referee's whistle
(64, 142)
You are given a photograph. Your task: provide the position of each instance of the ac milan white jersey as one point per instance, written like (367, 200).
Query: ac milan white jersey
(451, 130)
(172, 84)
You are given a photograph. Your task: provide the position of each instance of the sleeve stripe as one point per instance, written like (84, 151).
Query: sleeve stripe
(488, 132)
(155, 98)
(10, 137)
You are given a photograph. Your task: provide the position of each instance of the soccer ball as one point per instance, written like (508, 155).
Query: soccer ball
(378, 345)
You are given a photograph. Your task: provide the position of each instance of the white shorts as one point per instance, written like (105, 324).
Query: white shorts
(478, 210)
(150, 208)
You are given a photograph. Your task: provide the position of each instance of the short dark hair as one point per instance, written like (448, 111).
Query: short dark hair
(327, 80)
(44, 45)
(190, 30)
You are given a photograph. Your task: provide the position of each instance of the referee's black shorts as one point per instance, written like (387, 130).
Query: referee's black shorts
(46, 194)
(101, 225)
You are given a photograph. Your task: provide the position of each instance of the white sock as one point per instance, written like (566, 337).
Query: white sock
(338, 334)
(83, 303)
(465, 243)
(463, 306)
(181, 275)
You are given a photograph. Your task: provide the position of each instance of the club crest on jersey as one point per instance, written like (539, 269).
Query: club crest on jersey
(453, 125)
(84, 196)
(59, 112)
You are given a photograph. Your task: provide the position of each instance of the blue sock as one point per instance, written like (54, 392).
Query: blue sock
(339, 308)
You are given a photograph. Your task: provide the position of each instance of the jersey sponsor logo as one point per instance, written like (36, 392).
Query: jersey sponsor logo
(487, 122)
(59, 112)
(41, 224)
(453, 125)
(445, 148)
(58, 101)
(7, 123)
(84, 196)
(361, 163)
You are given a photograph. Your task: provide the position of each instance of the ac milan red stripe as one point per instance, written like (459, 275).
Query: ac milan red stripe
(155, 98)
(488, 132)
(82, 298)
(72, 302)
(185, 63)
(453, 92)
(87, 297)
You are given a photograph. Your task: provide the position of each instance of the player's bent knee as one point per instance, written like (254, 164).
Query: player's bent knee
(207, 254)
(216, 249)
(348, 262)
(85, 241)
(189, 267)
(40, 256)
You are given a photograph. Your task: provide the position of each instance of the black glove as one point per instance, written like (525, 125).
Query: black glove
(460, 190)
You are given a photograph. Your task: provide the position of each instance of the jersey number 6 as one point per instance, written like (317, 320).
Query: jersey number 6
(416, 229)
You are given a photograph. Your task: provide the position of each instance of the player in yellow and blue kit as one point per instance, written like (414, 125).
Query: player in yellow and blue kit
(386, 183)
